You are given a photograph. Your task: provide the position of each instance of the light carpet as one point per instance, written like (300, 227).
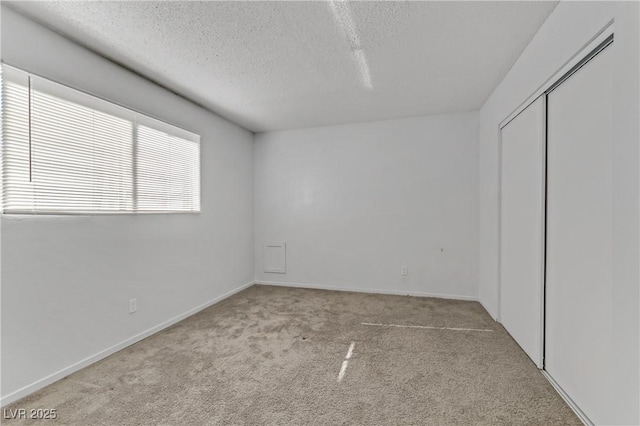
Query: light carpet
(273, 356)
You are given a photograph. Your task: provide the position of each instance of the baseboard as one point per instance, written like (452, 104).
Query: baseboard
(581, 415)
(39, 384)
(367, 290)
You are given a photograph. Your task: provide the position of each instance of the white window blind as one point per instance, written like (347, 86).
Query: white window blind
(165, 180)
(65, 151)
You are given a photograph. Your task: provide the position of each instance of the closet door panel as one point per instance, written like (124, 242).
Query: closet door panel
(522, 231)
(579, 236)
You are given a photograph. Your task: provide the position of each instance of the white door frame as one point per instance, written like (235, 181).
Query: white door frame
(578, 59)
(601, 40)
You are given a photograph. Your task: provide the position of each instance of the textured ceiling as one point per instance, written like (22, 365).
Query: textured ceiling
(281, 65)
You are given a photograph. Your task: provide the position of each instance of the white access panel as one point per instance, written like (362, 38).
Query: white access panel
(522, 229)
(579, 237)
(274, 258)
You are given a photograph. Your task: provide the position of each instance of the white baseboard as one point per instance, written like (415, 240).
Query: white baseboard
(581, 415)
(368, 290)
(39, 384)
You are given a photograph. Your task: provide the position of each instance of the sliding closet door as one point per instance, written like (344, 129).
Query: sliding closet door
(579, 236)
(522, 232)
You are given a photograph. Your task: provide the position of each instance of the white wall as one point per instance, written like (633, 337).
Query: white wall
(66, 281)
(356, 202)
(566, 31)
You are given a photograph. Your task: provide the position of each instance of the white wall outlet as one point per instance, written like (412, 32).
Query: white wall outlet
(133, 306)
(405, 270)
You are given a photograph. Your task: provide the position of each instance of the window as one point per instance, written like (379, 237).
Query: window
(64, 151)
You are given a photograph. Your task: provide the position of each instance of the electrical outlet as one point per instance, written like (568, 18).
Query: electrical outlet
(405, 270)
(133, 306)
